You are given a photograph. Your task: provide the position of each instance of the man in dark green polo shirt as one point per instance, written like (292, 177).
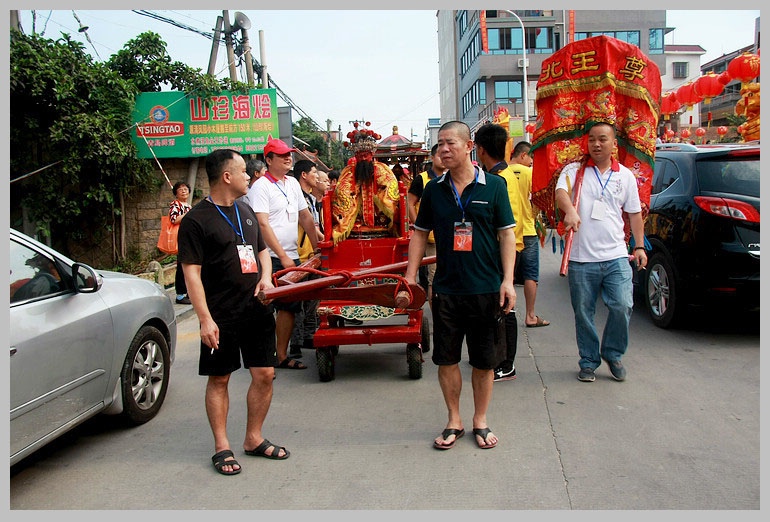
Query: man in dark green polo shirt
(471, 219)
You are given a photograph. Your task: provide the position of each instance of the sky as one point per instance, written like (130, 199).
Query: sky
(345, 65)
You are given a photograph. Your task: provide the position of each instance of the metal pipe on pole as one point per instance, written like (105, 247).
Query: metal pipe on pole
(247, 56)
(524, 54)
(263, 58)
(215, 47)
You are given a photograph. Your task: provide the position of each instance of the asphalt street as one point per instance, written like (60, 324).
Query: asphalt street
(681, 433)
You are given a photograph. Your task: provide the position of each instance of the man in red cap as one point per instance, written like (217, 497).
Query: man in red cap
(279, 204)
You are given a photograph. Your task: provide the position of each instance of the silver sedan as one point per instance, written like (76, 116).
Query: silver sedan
(82, 342)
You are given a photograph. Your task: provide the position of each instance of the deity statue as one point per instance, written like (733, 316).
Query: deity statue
(367, 196)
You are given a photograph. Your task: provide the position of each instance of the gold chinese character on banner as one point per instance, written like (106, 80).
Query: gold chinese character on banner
(553, 70)
(633, 69)
(584, 62)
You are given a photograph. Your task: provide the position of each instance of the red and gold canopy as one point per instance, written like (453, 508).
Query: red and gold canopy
(599, 79)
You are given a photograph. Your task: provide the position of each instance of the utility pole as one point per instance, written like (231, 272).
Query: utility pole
(192, 168)
(329, 139)
(15, 20)
(229, 45)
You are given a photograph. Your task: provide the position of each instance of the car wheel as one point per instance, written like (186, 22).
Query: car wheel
(145, 375)
(661, 291)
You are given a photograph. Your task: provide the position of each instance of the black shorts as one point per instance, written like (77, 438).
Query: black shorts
(476, 318)
(294, 307)
(252, 339)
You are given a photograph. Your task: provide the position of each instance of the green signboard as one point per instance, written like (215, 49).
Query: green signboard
(172, 125)
(516, 127)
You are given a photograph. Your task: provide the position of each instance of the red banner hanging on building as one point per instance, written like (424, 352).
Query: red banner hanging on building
(484, 39)
(571, 26)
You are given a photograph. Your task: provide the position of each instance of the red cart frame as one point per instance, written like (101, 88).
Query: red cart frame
(354, 254)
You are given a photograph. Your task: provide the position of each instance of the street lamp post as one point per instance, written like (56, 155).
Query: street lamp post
(524, 54)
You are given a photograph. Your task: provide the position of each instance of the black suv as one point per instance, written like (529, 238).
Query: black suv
(703, 228)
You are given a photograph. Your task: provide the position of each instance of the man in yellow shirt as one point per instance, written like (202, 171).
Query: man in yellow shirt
(490, 150)
(527, 258)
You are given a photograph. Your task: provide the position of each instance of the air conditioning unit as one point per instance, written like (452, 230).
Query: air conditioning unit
(521, 62)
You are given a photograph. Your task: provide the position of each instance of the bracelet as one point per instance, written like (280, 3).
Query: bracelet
(639, 248)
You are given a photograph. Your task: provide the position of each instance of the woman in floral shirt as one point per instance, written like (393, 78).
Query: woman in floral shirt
(180, 207)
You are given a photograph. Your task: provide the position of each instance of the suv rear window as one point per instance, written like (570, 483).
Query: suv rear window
(733, 176)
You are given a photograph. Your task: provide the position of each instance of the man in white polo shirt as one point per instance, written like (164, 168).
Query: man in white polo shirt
(598, 262)
(279, 204)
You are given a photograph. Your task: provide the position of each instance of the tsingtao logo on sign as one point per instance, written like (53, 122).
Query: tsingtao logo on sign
(159, 126)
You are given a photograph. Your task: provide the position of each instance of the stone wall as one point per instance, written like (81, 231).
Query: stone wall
(144, 209)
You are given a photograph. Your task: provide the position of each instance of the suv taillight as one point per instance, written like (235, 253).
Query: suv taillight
(728, 208)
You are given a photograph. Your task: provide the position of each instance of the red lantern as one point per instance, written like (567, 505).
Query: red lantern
(669, 104)
(687, 96)
(724, 78)
(368, 124)
(744, 67)
(721, 130)
(670, 133)
(708, 86)
(740, 129)
(700, 131)
(685, 133)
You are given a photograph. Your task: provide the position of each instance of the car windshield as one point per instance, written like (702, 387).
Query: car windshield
(733, 176)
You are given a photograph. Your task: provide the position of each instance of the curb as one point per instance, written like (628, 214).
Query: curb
(182, 311)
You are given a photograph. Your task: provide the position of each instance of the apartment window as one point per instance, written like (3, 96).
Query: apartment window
(507, 40)
(681, 69)
(477, 94)
(656, 41)
(471, 53)
(631, 37)
(504, 41)
(508, 92)
(539, 40)
(462, 22)
(491, 14)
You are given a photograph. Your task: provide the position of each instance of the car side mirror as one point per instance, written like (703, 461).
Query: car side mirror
(86, 280)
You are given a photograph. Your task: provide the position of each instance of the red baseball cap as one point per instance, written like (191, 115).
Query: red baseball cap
(277, 146)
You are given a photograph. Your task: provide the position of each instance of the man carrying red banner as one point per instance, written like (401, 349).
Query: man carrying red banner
(598, 262)
(598, 101)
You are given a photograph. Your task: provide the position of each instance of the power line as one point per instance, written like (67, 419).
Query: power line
(255, 62)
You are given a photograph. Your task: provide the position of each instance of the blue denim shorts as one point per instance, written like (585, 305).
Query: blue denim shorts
(529, 259)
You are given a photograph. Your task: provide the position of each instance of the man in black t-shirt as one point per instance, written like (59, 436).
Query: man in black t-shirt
(226, 264)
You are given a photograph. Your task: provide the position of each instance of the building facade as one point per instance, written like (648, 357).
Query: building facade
(682, 65)
(475, 84)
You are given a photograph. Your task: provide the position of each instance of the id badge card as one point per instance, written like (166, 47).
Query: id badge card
(463, 236)
(293, 213)
(248, 261)
(599, 211)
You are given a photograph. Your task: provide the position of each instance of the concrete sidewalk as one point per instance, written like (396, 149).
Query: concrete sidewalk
(182, 311)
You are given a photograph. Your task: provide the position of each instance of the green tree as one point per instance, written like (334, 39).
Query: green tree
(73, 116)
(308, 132)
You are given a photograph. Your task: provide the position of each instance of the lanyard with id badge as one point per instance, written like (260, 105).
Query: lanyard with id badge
(245, 251)
(291, 211)
(599, 210)
(463, 230)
